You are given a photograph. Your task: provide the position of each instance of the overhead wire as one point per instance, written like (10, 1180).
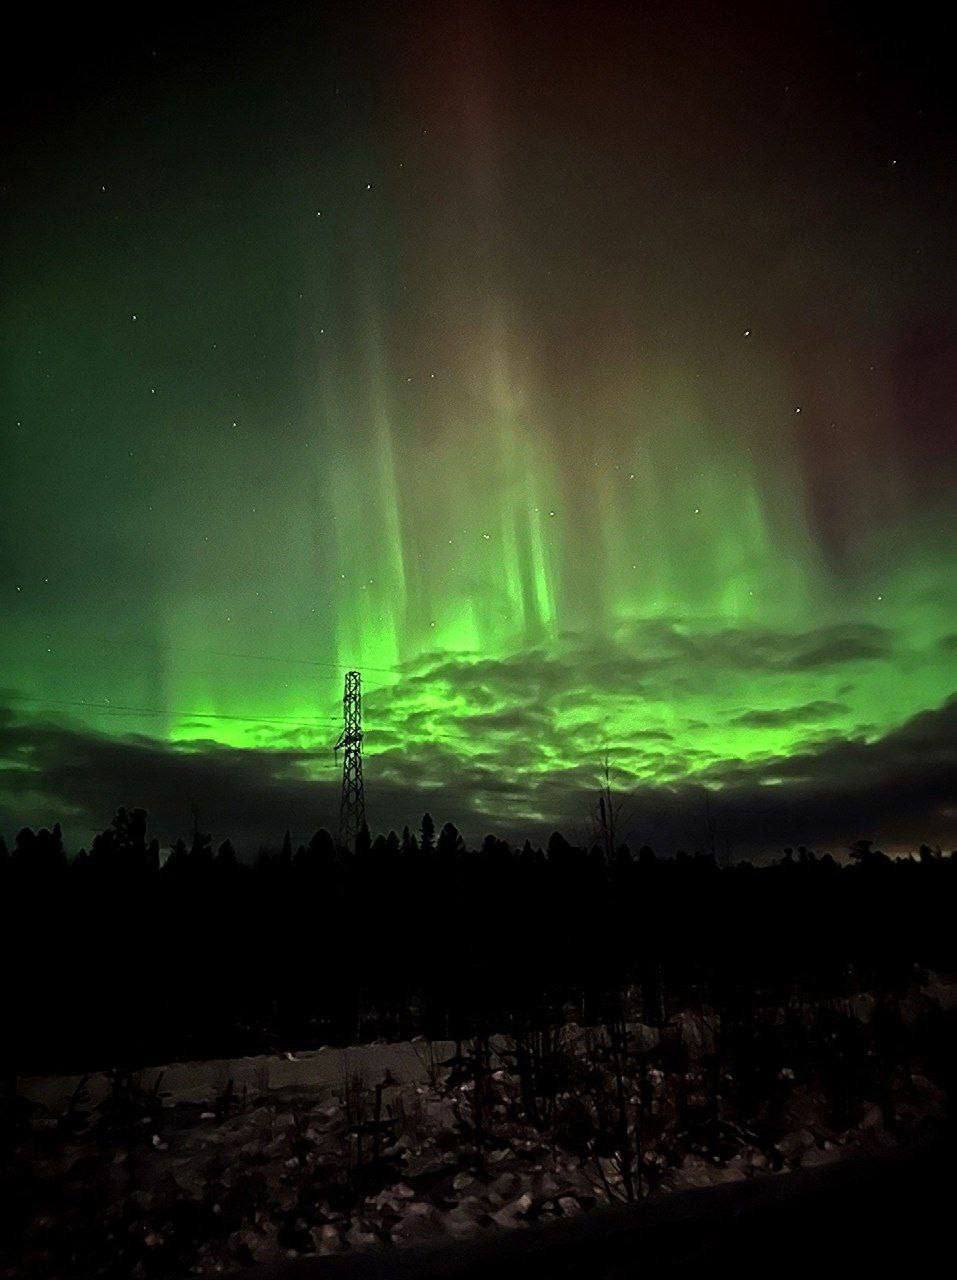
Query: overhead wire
(118, 707)
(334, 670)
(331, 672)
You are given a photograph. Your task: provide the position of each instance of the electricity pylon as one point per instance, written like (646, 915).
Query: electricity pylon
(352, 806)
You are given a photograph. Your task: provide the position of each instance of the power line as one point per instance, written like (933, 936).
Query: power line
(110, 708)
(336, 672)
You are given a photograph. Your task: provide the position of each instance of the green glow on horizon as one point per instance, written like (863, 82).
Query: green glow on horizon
(674, 538)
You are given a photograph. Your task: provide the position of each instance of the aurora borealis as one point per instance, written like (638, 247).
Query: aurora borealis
(583, 376)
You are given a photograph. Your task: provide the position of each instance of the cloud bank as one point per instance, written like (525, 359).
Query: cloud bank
(753, 737)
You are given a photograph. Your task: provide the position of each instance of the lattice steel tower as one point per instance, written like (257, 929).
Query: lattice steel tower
(352, 806)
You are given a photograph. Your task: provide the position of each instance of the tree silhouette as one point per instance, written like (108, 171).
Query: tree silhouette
(197, 955)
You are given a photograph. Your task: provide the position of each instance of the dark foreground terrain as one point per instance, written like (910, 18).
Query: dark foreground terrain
(570, 1058)
(126, 954)
(806, 1130)
(869, 1215)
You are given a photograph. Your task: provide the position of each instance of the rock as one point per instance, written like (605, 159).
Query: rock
(359, 1237)
(569, 1206)
(643, 1037)
(429, 1165)
(395, 1198)
(328, 1239)
(441, 1113)
(504, 1187)
(477, 1204)
(793, 1145)
(941, 993)
(818, 1156)
(698, 1031)
(262, 1117)
(749, 1158)
(422, 1223)
(804, 1109)
(467, 1216)
(698, 1172)
(873, 1118)
(514, 1212)
(928, 1090)
(249, 1244)
(84, 1169)
(861, 1007)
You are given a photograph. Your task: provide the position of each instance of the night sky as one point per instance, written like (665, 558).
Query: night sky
(585, 375)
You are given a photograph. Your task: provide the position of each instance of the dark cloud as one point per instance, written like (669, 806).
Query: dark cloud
(644, 657)
(776, 718)
(837, 645)
(80, 777)
(515, 720)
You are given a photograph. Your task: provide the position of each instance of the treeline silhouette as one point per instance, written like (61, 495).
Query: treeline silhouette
(121, 955)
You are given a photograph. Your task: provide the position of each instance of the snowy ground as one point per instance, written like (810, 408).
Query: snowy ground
(208, 1166)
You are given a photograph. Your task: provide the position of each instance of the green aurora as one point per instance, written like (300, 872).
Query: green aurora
(578, 441)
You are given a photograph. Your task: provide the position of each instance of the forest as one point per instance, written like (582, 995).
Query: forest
(123, 954)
